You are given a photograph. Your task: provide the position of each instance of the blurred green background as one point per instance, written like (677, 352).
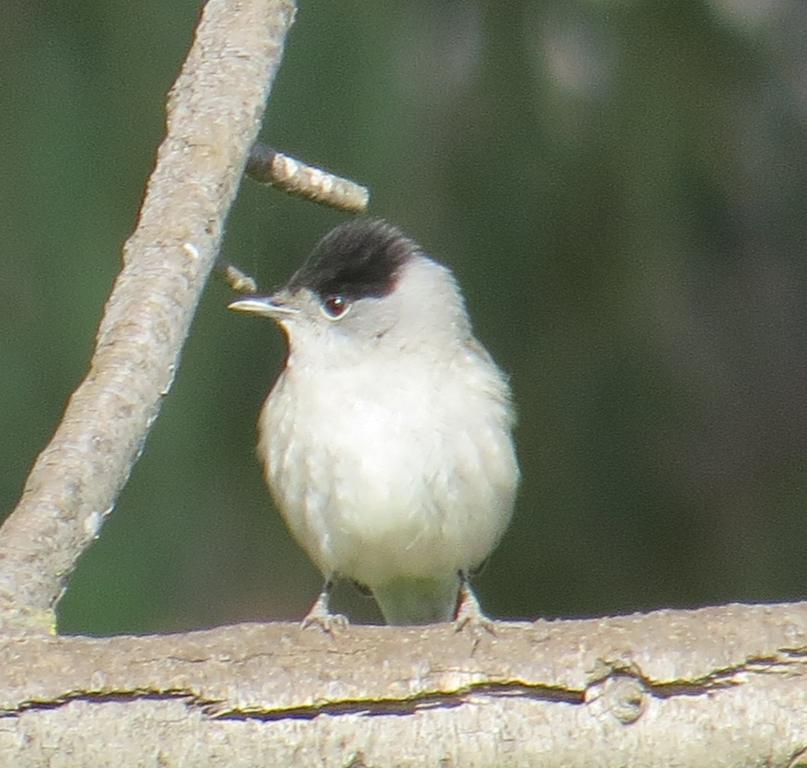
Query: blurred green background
(621, 188)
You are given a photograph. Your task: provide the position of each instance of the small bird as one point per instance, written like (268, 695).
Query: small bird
(387, 438)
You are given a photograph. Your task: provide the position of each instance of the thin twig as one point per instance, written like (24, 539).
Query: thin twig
(269, 166)
(237, 279)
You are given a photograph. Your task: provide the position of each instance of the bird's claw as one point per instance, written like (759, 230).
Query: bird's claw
(470, 615)
(321, 618)
(328, 623)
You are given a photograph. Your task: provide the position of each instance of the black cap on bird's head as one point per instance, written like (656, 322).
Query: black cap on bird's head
(359, 259)
(367, 259)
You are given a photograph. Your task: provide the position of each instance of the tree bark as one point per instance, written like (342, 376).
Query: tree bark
(214, 113)
(714, 687)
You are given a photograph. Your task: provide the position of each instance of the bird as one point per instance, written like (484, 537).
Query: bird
(387, 438)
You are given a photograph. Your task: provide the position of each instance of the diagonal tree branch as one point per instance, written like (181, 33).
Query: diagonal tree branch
(213, 115)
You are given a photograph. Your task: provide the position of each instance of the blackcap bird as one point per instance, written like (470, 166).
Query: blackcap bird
(387, 438)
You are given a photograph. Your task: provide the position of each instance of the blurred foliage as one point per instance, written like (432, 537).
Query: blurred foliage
(620, 186)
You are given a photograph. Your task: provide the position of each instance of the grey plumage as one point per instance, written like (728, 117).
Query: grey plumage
(386, 439)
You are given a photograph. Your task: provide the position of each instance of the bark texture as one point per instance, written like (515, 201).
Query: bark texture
(213, 115)
(720, 686)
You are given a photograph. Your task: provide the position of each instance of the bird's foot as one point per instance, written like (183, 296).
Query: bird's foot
(320, 616)
(469, 613)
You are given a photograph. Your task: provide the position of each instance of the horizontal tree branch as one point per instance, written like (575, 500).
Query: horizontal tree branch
(712, 687)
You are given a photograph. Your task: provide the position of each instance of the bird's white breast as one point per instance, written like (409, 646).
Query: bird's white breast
(395, 470)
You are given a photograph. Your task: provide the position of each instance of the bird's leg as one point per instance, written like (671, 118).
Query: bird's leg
(469, 613)
(320, 615)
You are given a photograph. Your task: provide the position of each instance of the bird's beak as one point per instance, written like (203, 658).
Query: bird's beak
(267, 306)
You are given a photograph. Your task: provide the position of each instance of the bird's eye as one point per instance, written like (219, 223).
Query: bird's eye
(334, 307)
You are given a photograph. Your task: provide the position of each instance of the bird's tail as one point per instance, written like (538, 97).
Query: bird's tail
(418, 601)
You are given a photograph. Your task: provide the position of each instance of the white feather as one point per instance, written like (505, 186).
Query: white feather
(387, 439)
